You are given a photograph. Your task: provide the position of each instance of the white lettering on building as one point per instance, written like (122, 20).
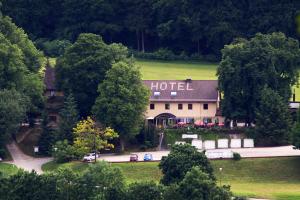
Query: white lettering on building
(163, 86)
(180, 86)
(173, 86)
(154, 87)
(188, 87)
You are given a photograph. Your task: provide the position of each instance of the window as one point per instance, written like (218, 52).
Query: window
(167, 106)
(52, 118)
(173, 94)
(152, 106)
(156, 94)
(180, 106)
(205, 106)
(190, 106)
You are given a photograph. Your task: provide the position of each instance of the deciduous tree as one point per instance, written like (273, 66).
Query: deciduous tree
(180, 160)
(248, 65)
(89, 136)
(83, 67)
(122, 100)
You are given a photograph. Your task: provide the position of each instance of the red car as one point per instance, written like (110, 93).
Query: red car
(134, 158)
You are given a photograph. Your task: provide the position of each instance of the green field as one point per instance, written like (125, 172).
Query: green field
(177, 70)
(275, 178)
(180, 70)
(7, 169)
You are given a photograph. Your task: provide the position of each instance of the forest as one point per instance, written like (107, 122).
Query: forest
(189, 27)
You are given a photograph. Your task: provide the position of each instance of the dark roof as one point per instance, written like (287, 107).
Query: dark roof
(186, 90)
(49, 79)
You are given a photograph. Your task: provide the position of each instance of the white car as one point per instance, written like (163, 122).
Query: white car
(90, 157)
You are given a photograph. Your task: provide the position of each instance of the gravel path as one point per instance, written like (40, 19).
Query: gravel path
(24, 161)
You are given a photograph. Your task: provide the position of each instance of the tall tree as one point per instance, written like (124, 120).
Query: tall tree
(83, 67)
(122, 100)
(273, 120)
(68, 119)
(13, 107)
(249, 65)
(47, 138)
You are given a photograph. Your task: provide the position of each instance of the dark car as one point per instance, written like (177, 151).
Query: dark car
(134, 158)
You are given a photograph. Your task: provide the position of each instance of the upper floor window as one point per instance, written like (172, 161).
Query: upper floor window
(152, 106)
(167, 106)
(180, 106)
(190, 106)
(205, 106)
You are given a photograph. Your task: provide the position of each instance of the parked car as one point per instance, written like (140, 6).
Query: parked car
(148, 157)
(134, 158)
(90, 157)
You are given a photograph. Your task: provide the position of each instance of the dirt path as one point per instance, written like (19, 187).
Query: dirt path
(24, 161)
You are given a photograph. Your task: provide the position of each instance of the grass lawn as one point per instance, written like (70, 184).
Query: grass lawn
(180, 70)
(7, 169)
(275, 178)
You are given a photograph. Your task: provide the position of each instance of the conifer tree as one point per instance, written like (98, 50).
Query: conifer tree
(68, 118)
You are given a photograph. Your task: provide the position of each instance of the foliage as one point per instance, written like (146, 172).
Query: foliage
(104, 181)
(198, 185)
(180, 160)
(68, 119)
(63, 152)
(236, 156)
(296, 131)
(90, 138)
(122, 100)
(145, 191)
(84, 65)
(180, 25)
(148, 136)
(13, 107)
(47, 138)
(54, 48)
(273, 121)
(248, 66)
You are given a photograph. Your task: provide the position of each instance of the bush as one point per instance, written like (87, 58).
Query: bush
(144, 191)
(53, 48)
(63, 152)
(236, 156)
(148, 137)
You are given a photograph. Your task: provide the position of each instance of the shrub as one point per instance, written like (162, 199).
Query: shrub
(236, 156)
(63, 152)
(144, 191)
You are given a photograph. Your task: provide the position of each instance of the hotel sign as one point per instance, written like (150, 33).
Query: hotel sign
(173, 86)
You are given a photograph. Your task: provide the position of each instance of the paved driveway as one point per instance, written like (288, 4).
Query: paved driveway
(244, 152)
(24, 161)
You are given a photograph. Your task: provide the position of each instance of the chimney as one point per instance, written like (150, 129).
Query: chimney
(188, 80)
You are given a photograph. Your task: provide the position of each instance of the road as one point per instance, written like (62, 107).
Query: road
(244, 152)
(24, 161)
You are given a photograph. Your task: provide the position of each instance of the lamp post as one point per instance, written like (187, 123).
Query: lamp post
(220, 169)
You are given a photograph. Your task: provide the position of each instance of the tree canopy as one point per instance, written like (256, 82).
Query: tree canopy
(180, 160)
(248, 66)
(122, 99)
(273, 119)
(83, 67)
(181, 25)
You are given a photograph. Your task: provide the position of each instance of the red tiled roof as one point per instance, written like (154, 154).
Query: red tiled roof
(186, 90)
